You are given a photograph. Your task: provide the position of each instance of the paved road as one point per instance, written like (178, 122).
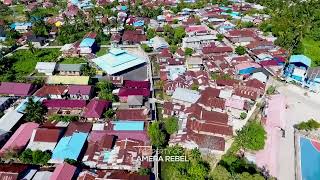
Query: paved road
(301, 108)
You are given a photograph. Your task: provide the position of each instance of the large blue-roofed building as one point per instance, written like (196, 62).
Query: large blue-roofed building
(69, 147)
(117, 60)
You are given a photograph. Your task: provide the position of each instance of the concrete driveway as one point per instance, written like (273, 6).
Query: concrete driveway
(301, 107)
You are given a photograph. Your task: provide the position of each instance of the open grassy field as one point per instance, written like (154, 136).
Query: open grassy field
(73, 60)
(311, 49)
(101, 52)
(23, 62)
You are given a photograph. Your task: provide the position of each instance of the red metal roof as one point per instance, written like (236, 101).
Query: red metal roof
(64, 103)
(132, 114)
(124, 92)
(95, 108)
(51, 90)
(137, 84)
(18, 89)
(63, 171)
(47, 135)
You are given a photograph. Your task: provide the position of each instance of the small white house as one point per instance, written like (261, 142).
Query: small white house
(194, 63)
(185, 97)
(46, 67)
(158, 43)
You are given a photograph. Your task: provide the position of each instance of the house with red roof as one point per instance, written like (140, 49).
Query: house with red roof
(134, 88)
(125, 155)
(13, 171)
(52, 91)
(133, 114)
(164, 55)
(216, 50)
(95, 109)
(83, 92)
(241, 36)
(210, 101)
(98, 143)
(16, 89)
(20, 138)
(63, 171)
(44, 139)
(133, 37)
(64, 104)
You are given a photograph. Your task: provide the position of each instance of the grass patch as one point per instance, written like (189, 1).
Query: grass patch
(23, 62)
(73, 60)
(311, 49)
(101, 52)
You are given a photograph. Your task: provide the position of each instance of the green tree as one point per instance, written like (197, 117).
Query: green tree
(31, 47)
(271, 90)
(252, 136)
(35, 111)
(35, 157)
(146, 48)
(171, 125)
(109, 113)
(87, 70)
(105, 85)
(220, 37)
(151, 33)
(188, 51)
(220, 173)
(243, 115)
(157, 136)
(144, 171)
(173, 48)
(308, 126)
(195, 87)
(26, 156)
(247, 176)
(240, 50)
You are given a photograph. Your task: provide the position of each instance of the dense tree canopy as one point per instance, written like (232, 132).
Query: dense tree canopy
(35, 157)
(157, 136)
(252, 136)
(35, 111)
(195, 168)
(171, 125)
(308, 125)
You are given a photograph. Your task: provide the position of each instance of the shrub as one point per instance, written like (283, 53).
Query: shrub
(308, 126)
(243, 115)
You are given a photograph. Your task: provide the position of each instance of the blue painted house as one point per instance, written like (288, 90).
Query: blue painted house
(297, 68)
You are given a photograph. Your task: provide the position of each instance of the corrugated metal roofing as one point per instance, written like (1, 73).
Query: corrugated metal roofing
(69, 147)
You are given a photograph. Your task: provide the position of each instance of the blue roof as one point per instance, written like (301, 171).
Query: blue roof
(87, 42)
(128, 125)
(117, 60)
(123, 8)
(175, 71)
(74, 2)
(69, 147)
(300, 59)
(138, 23)
(14, 25)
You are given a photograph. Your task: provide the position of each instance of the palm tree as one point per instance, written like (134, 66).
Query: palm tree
(35, 111)
(31, 47)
